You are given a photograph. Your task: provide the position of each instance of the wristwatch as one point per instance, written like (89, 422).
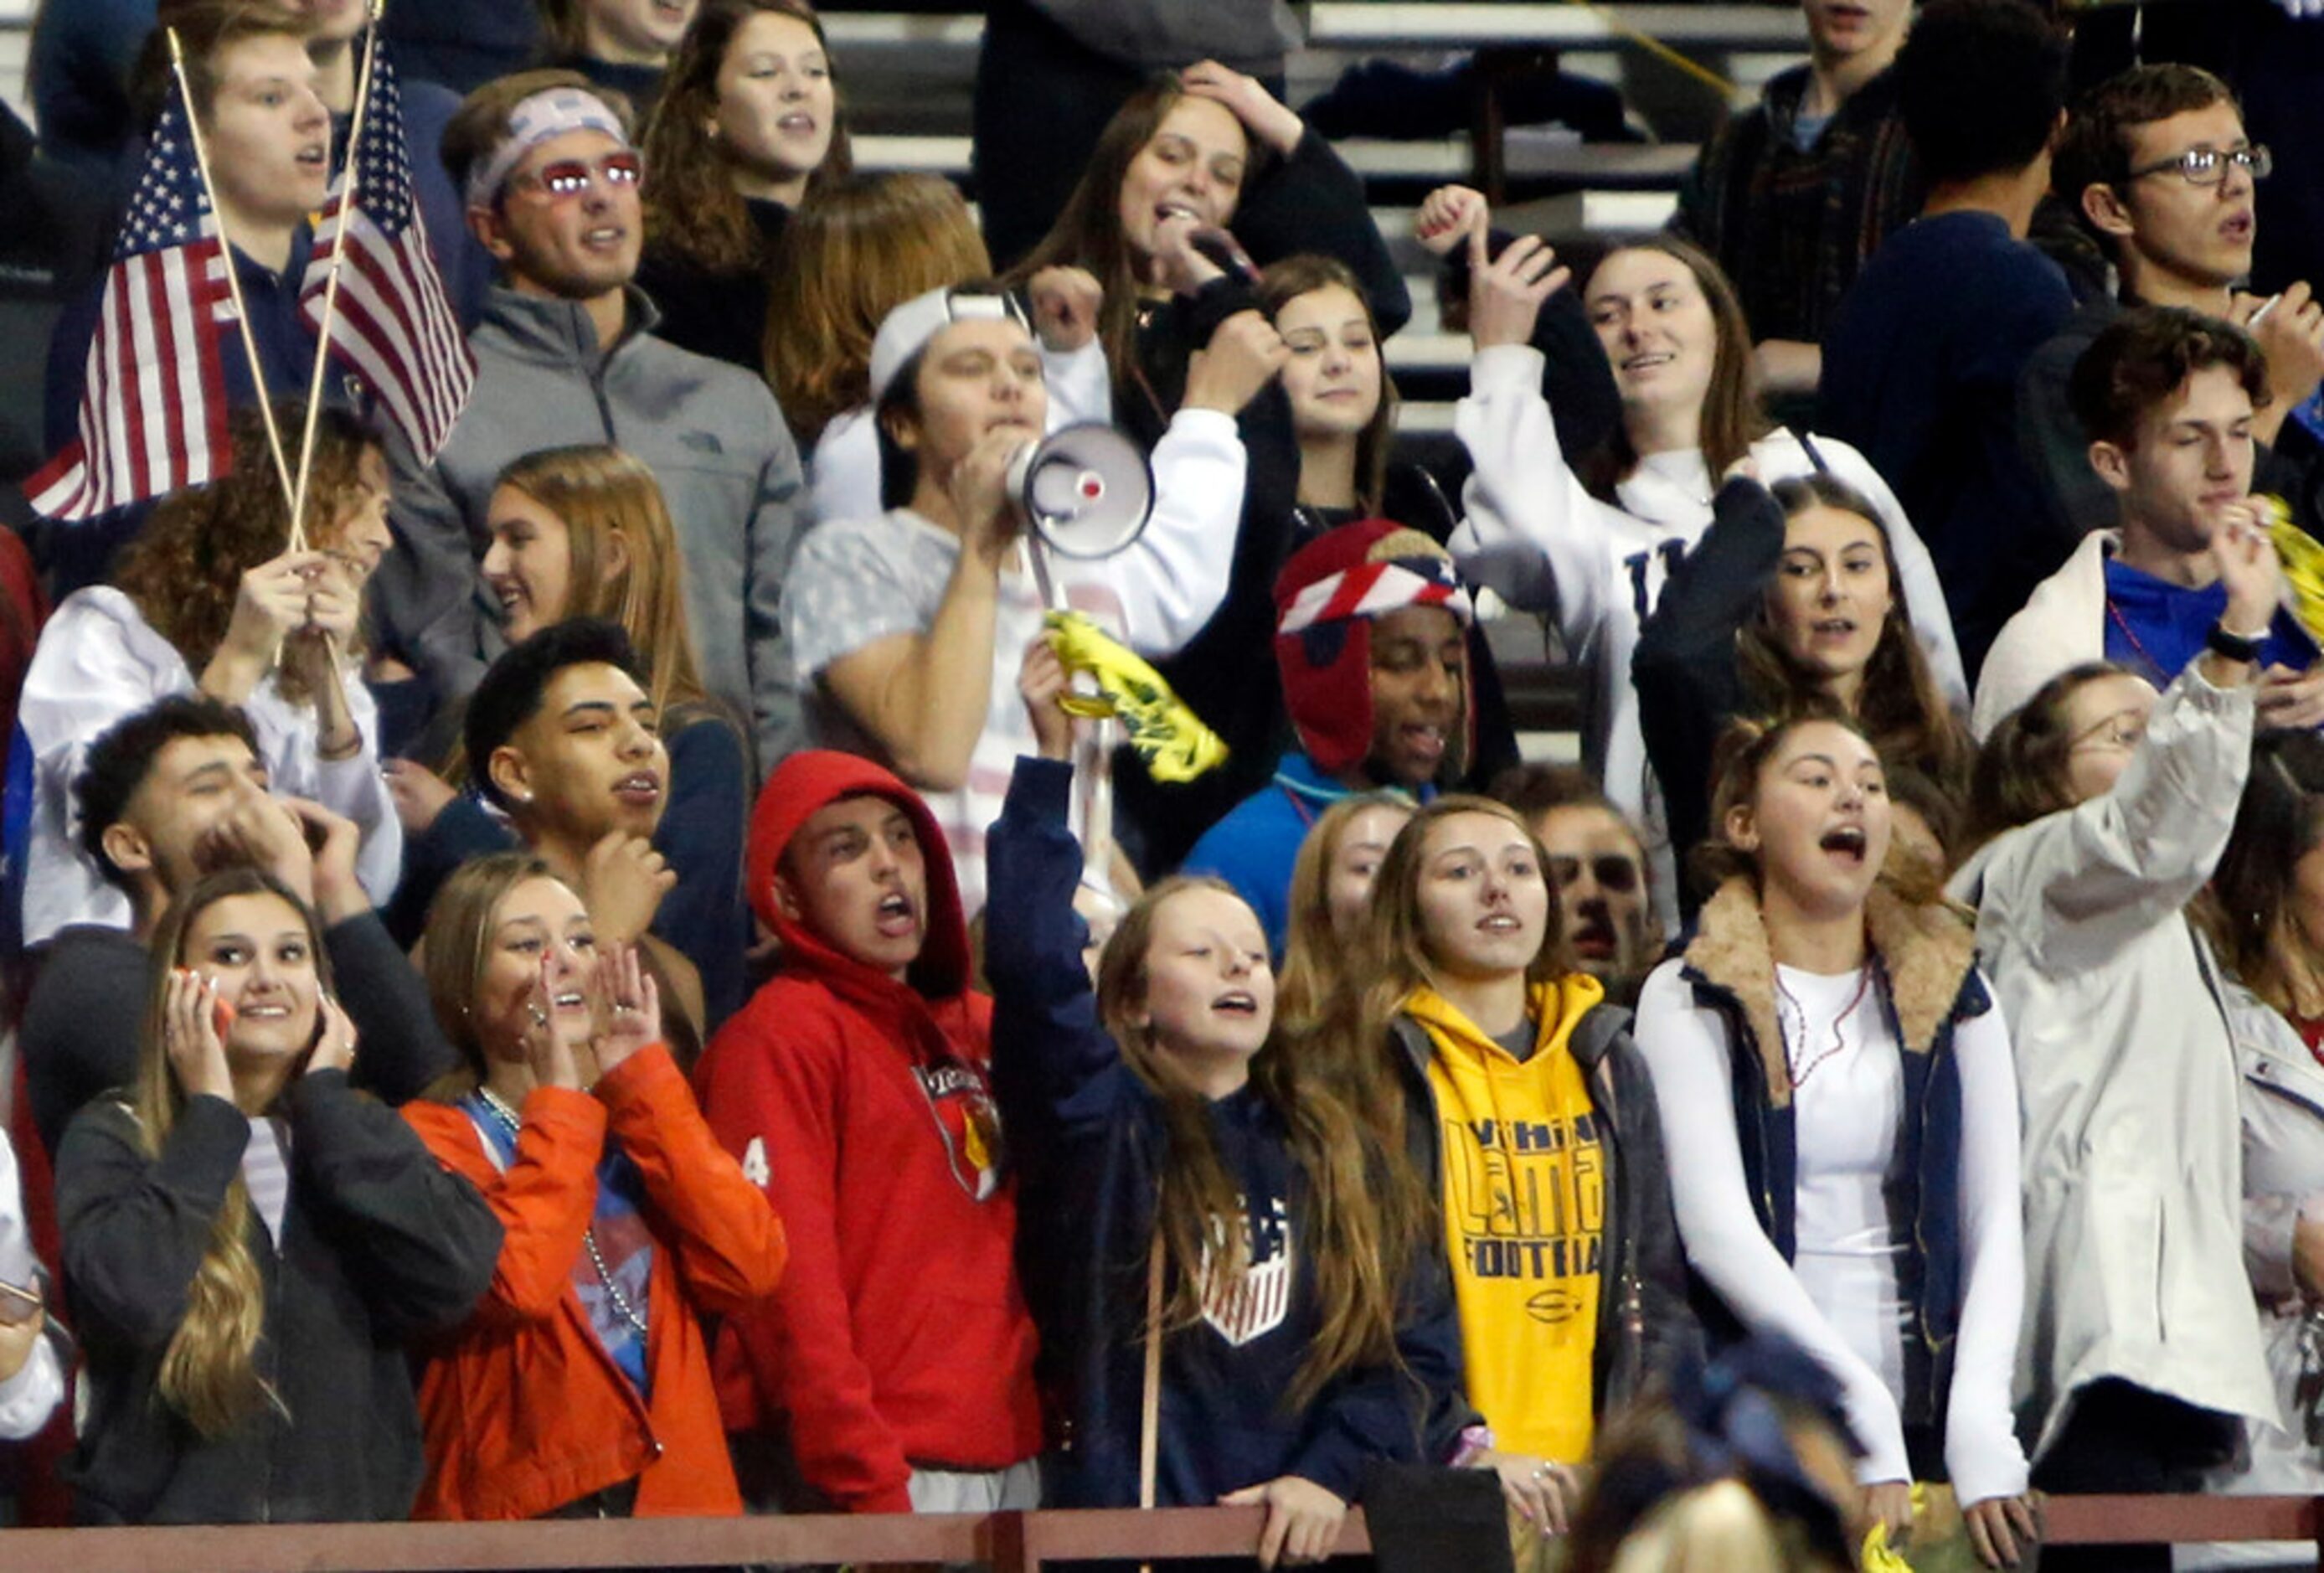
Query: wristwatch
(2238, 647)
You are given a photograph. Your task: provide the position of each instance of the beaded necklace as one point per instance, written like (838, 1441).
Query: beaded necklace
(1800, 1073)
(507, 1118)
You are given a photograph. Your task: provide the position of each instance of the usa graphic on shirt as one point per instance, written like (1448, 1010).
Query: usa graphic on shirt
(1240, 1309)
(968, 1120)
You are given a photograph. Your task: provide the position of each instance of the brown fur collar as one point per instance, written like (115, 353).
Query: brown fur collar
(1926, 950)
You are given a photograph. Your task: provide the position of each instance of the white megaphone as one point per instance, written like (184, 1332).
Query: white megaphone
(1087, 489)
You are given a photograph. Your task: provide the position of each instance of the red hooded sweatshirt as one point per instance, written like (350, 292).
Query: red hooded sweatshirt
(899, 1335)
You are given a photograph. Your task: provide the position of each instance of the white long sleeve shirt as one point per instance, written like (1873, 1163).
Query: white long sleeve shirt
(1839, 1297)
(99, 661)
(28, 1398)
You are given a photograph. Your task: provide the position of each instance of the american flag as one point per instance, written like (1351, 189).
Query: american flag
(152, 403)
(394, 329)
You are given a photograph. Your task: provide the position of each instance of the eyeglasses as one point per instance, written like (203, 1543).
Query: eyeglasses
(2208, 166)
(570, 178)
(1612, 870)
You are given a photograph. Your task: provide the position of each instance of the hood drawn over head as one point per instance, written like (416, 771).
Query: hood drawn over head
(809, 782)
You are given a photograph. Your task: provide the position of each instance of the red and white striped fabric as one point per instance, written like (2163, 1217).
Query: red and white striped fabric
(1369, 589)
(153, 407)
(395, 328)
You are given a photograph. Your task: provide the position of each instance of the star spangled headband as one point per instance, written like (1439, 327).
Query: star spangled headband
(545, 115)
(1371, 589)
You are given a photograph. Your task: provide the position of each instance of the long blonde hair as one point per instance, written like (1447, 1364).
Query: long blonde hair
(601, 493)
(858, 248)
(1317, 968)
(459, 947)
(209, 1371)
(1394, 957)
(1364, 1212)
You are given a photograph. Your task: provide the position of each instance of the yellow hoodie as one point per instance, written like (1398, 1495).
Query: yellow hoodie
(1524, 1198)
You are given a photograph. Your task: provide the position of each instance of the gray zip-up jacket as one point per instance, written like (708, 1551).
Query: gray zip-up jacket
(712, 435)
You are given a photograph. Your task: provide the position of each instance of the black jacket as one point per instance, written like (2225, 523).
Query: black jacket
(1309, 202)
(1645, 1324)
(1685, 667)
(380, 1245)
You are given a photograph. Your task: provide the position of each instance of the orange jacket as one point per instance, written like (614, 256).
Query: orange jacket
(523, 1410)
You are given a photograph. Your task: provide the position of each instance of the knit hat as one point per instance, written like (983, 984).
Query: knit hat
(1326, 599)
(905, 331)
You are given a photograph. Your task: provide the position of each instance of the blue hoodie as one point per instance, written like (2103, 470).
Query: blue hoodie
(1090, 1137)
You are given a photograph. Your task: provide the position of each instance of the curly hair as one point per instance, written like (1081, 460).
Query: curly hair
(185, 567)
(691, 203)
(857, 248)
(1980, 86)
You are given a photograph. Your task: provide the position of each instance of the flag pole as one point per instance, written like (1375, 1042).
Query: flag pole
(331, 284)
(233, 274)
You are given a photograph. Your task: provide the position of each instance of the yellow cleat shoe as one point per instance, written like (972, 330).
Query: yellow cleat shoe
(1172, 740)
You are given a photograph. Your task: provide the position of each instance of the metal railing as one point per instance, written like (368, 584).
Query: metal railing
(1007, 1542)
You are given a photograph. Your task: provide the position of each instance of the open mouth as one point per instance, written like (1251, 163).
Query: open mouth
(271, 1012)
(316, 156)
(894, 917)
(509, 592)
(1165, 211)
(1845, 841)
(567, 1002)
(2236, 226)
(1499, 923)
(1647, 361)
(604, 237)
(1594, 938)
(640, 789)
(1833, 627)
(796, 124)
(1236, 1002)
(1423, 742)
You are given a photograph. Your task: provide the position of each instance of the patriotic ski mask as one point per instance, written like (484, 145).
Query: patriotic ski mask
(1326, 601)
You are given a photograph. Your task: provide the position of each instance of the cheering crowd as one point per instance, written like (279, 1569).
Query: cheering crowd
(602, 924)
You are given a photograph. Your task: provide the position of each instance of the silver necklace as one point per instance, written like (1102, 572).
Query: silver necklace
(629, 1313)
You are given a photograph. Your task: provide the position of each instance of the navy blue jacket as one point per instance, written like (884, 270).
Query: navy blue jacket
(1924, 1179)
(1920, 370)
(1089, 1138)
